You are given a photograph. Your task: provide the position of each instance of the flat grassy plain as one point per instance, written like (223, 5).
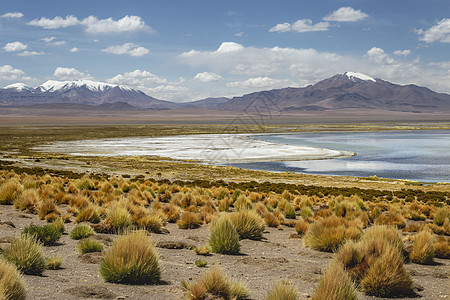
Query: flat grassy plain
(301, 221)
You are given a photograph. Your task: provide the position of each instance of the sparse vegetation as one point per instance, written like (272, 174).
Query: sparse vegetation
(12, 286)
(248, 224)
(224, 238)
(423, 248)
(90, 245)
(26, 253)
(53, 263)
(47, 234)
(335, 284)
(81, 231)
(282, 290)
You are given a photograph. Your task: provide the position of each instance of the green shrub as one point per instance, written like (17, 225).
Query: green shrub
(335, 284)
(224, 237)
(329, 233)
(47, 234)
(12, 286)
(81, 231)
(248, 224)
(119, 218)
(132, 259)
(201, 263)
(204, 250)
(53, 263)
(423, 248)
(10, 190)
(26, 253)
(90, 245)
(282, 290)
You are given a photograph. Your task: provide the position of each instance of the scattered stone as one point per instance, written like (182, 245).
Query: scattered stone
(91, 292)
(6, 239)
(8, 223)
(295, 236)
(193, 238)
(91, 258)
(174, 245)
(417, 287)
(102, 238)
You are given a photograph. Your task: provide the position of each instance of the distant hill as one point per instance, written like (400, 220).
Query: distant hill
(344, 91)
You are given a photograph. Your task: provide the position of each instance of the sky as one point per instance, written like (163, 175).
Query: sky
(184, 50)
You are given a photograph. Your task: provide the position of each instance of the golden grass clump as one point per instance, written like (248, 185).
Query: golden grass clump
(442, 247)
(81, 231)
(329, 233)
(214, 284)
(12, 286)
(26, 253)
(132, 259)
(391, 217)
(224, 238)
(248, 224)
(89, 246)
(119, 218)
(335, 284)
(189, 220)
(387, 276)
(28, 201)
(282, 290)
(271, 220)
(10, 190)
(47, 208)
(441, 215)
(423, 248)
(386, 233)
(301, 226)
(242, 202)
(88, 214)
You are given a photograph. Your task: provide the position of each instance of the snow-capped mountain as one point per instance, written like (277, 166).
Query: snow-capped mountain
(79, 92)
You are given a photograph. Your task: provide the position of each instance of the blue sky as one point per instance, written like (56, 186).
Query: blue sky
(188, 50)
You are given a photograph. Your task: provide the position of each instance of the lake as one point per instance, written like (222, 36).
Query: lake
(413, 155)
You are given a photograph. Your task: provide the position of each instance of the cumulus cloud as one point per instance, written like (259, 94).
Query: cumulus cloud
(12, 15)
(55, 23)
(74, 49)
(127, 48)
(48, 39)
(93, 24)
(30, 53)
(59, 43)
(302, 25)
(9, 73)
(346, 14)
(137, 78)
(260, 82)
(405, 52)
(70, 74)
(207, 77)
(439, 32)
(308, 66)
(14, 46)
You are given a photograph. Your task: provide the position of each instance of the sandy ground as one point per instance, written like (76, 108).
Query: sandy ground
(260, 264)
(209, 148)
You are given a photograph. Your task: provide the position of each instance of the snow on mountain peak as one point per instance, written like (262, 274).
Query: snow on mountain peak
(54, 85)
(19, 87)
(354, 75)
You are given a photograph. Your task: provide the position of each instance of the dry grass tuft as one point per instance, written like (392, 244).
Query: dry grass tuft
(189, 220)
(248, 224)
(12, 286)
(10, 190)
(132, 259)
(442, 247)
(335, 284)
(26, 253)
(282, 290)
(301, 226)
(28, 201)
(423, 248)
(224, 237)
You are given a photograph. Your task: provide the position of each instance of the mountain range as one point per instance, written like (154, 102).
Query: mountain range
(344, 91)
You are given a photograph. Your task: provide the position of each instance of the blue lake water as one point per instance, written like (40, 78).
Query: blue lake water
(413, 155)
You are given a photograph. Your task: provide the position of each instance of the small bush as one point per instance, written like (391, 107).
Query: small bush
(224, 238)
(28, 201)
(282, 290)
(88, 213)
(53, 263)
(441, 215)
(81, 231)
(189, 220)
(387, 276)
(12, 286)
(214, 284)
(248, 224)
(26, 253)
(329, 233)
(201, 263)
(47, 208)
(335, 284)
(442, 247)
(119, 218)
(387, 233)
(204, 250)
(242, 202)
(423, 248)
(47, 234)
(10, 190)
(271, 220)
(90, 245)
(132, 259)
(301, 226)
(152, 223)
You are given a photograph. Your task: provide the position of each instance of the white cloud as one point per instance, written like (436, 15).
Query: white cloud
(405, 52)
(227, 47)
(12, 15)
(30, 53)
(55, 23)
(207, 77)
(14, 46)
(70, 74)
(74, 49)
(308, 66)
(302, 25)
(137, 78)
(94, 25)
(9, 73)
(169, 92)
(239, 34)
(260, 82)
(346, 14)
(126, 24)
(49, 39)
(59, 43)
(378, 56)
(127, 48)
(439, 32)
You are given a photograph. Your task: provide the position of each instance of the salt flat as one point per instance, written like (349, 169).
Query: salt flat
(207, 148)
